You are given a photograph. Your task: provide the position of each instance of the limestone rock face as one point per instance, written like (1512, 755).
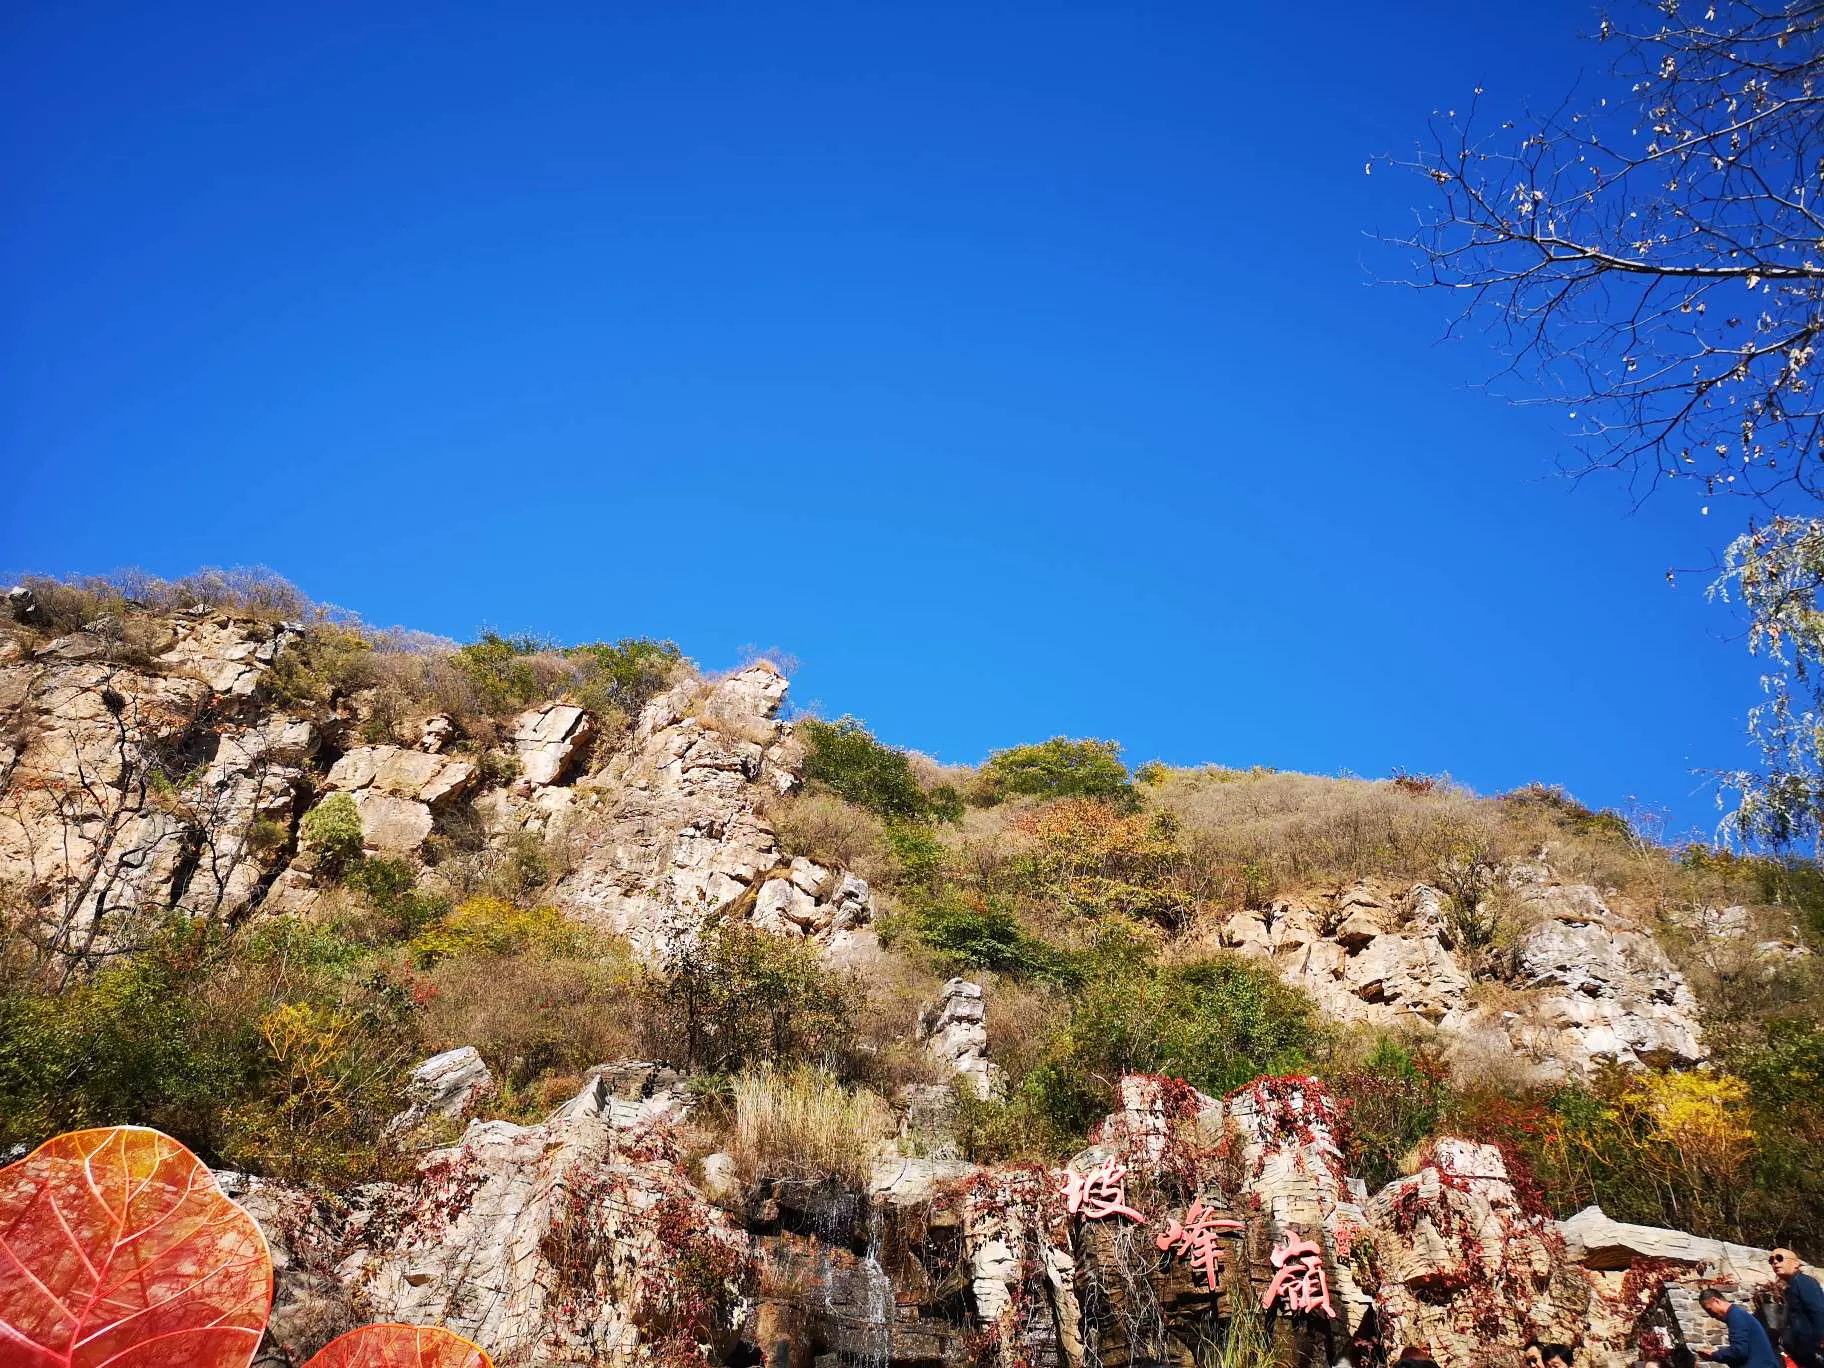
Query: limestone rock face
(398, 792)
(1586, 987)
(548, 740)
(548, 1244)
(1607, 988)
(138, 771)
(672, 832)
(1378, 964)
(446, 1084)
(1457, 1248)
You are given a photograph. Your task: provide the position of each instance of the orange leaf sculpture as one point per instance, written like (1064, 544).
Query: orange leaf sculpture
(400, 1346)
(117, 1247)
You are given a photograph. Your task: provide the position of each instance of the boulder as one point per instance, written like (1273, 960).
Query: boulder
(1597, 1242)
(446, 1085)
(548, 741)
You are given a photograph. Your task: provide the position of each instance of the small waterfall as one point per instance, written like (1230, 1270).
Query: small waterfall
(873, 1299)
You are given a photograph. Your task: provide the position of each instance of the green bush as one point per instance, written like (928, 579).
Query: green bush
(333, 830)
(1058, 768)
(129, 1046)
(844, 757)
(624, 674)
(1391, 1103)
(392, 887)
(965, 933)
(1217, 1023)
(497, 669)
(918, 856)
(281, 1050)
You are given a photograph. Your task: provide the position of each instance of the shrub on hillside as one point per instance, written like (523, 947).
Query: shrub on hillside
(732, 996)
(538, 1019)
(499, 670)
(391, 888)
(493, 926)
(621, 676)
(1216, 1023)
(968, 932)
(332, 831)
(280, 1050)
(1087, 859)
(1391, 1102)
(1058, 768)
(844, 757)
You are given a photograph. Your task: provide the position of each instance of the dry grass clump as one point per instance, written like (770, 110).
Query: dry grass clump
(832, 831)
(802, 1123)
(70, 601)
(1022, 1018)
(1307, 829)
(531, 1015)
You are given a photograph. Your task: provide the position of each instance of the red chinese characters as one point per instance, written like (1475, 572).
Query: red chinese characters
(1196, 1236)
(1099, 1193)
(1299, 1282)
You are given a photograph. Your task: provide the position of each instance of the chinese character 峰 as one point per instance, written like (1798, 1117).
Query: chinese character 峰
(1100, 1192)
(1300, 1277)
(1196, 1236)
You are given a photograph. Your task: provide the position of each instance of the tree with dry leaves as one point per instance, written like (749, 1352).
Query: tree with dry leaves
(1651, 258)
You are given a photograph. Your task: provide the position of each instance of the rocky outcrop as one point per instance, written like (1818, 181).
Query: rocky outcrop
(582, 1240)
(138, 772)
(398, 792)
(1362, 959)
(671, 831)
(954, 1029)
(445, 1085)
(548, 742)
(143, 765)
(1464, 1266)
(1583, 986)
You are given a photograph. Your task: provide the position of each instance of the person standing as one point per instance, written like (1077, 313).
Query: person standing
(1803, 1334)
(1748, 1345)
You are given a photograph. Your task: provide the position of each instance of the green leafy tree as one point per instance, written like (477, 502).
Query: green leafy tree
(1058, 768)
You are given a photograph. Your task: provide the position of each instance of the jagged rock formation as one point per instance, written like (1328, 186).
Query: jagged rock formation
(1586, 985)
(583, 1240)
(140, 770)
(955, 1031)
(146, 765)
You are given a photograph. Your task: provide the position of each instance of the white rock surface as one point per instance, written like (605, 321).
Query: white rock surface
(955, 1031)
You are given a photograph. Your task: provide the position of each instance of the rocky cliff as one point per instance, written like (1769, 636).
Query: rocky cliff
(155, 761)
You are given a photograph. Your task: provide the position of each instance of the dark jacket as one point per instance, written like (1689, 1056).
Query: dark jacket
(1804, 1315)
(1749, 1346)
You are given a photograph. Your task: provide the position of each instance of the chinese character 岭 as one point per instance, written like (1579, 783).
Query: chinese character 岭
(1299, 1279)
(1196, 1237)
(1100, 1192)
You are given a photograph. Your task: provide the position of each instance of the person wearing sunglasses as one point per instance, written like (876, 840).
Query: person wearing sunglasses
(1803, 1333)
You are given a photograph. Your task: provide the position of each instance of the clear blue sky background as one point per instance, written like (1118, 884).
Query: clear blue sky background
(1013, 366)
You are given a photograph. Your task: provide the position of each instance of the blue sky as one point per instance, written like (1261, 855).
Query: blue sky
(1014, 367)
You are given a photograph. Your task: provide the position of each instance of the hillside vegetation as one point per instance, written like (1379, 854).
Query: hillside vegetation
(1090, 901)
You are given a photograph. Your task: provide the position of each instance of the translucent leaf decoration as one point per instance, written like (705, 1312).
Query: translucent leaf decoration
(118, 1248)
(400, 1346)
